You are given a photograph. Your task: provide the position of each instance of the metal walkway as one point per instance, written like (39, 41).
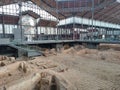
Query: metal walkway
(15, 44)
(69, 41)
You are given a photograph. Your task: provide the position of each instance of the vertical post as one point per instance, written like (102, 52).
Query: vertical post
(65, 35)
(73, 27)
(3, 24)
(36, 26)
(113, 35)
(40, 34)
(74, 21)
(81, 32)
(20, 18)
(92, 16)
(57, 18)
(106, 33)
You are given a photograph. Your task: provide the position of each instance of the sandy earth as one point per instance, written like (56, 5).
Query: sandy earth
(83, 69)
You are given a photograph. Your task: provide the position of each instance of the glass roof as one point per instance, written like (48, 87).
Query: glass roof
(13, 9)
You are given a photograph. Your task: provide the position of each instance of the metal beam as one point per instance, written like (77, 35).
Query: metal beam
(50, 8)
(81, 9)
(105, 4)
(106, 15)
(105, 10)
(78, 9)
(6, 2)
(115, 15)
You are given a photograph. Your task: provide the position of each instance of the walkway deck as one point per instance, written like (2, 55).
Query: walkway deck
(61, 41)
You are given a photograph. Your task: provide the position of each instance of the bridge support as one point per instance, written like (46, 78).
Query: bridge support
(91, 45)
(59, 47)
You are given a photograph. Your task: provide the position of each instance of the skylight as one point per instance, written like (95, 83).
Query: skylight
(13, 9)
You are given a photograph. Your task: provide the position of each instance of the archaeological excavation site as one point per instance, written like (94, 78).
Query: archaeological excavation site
(59, 44)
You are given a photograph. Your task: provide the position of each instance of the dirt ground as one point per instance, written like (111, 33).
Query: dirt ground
(76, 68)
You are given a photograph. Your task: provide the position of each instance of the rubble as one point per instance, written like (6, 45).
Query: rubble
(74, 68)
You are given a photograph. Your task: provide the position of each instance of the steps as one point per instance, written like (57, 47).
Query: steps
(25, 51)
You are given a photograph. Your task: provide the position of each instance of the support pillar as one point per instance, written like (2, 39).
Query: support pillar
(3, 25)
(58, 47)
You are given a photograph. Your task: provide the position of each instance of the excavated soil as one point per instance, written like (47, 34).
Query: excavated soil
(75, 68)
